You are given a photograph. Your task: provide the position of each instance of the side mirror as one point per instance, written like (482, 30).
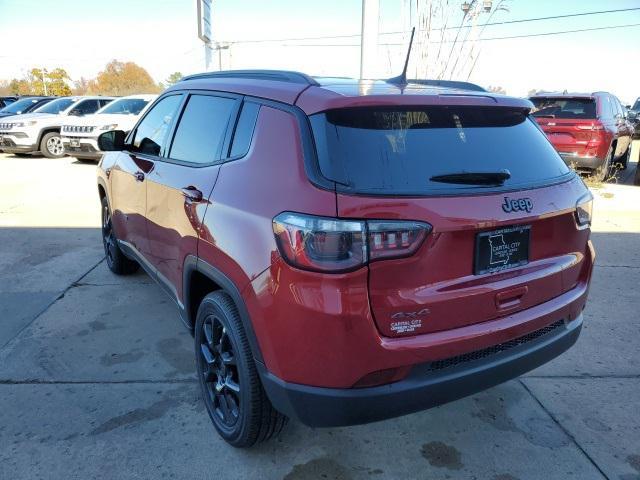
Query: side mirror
(112, 141)
(628, 107)
(75, 112)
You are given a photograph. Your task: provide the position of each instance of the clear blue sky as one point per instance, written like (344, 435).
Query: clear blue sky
(160, 35)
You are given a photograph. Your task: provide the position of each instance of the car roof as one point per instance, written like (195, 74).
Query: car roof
(566, 94)
(316, 94)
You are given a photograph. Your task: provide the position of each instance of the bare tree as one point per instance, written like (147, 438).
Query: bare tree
(448, 31)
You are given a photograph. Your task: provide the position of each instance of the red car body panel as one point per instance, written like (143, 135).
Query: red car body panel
(245, 251)
(445, 284)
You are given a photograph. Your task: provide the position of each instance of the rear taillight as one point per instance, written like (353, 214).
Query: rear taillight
(584, 210)
(335, 245)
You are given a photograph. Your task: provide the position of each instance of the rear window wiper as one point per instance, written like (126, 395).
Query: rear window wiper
(474, 178)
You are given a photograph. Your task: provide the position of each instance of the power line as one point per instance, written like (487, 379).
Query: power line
(506, 22)
(479, 39)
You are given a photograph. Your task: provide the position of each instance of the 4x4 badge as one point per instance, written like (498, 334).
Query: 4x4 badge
(517, 205)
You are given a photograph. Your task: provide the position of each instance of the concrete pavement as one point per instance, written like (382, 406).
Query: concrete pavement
(97, 376)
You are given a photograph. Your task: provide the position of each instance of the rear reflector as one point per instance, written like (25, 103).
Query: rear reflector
(383, 377)
(326, 244)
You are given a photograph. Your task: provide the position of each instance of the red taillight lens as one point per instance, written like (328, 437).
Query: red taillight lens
(334, 245)
(319, 243)
(395, 239)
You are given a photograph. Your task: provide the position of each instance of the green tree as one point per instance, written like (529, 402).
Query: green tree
(123, 78)
(20, 87)
(172, 79)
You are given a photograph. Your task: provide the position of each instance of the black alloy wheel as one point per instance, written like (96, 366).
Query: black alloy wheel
(220, 372)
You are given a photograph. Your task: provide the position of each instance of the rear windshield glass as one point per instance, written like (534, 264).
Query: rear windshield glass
(564, 107)
(399, 151)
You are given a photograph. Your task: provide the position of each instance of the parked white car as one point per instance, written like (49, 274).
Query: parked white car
(80, 135)
(39, 131)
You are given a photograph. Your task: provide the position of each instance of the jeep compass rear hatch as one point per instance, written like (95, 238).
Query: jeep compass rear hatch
(498, 202)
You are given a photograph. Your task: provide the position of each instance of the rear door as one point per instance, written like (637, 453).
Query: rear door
(493, 249)
(129, 175)
(180, 184)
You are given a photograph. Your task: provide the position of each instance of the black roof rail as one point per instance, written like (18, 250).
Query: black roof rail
(448, 84)
(276, 75)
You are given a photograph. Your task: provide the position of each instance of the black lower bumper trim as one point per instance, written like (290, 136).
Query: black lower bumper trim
(422, 389)
(582, 162)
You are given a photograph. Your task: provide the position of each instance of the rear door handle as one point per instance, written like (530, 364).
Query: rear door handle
(192, 194)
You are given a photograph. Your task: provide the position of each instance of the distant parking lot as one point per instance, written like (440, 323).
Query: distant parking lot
(97, 376)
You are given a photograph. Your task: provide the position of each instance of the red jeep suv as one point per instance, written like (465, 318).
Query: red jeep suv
(348, 251)
(590, 131)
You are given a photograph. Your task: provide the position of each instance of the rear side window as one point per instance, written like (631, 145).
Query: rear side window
(154, 127)
(564, 107)
(202, 128)
(86, 107)
(399, 151)
(244, 129)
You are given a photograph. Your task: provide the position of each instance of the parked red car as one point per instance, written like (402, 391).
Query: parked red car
(589, 130)
(348, 251)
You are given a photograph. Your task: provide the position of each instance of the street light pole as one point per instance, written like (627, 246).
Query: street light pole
(369, 38)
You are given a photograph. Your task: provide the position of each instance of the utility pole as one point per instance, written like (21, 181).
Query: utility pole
(369, 38)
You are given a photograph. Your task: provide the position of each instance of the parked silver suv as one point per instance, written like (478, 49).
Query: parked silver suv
(39, 131)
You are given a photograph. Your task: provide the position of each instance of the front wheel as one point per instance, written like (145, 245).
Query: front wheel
(231, 389)
(51, 145)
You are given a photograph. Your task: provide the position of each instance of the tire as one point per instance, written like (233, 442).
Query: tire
(51, 145)
(231, 389)
(624, 159)
(601, 173)
(117, 262)
(636, 177)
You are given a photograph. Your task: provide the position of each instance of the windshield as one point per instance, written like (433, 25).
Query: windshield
(636, 106)
(19, 106)
(125, 106)
(400, 151)
(55, 106)
(564, 107)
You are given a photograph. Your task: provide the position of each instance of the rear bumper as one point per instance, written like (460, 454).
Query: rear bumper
(425, 387)
(578, 161)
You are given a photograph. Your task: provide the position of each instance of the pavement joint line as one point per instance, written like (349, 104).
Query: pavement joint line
(630, 376)
(114, 284)
(566, 432)
(50, 304)
(618, 266)
(99, 382)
